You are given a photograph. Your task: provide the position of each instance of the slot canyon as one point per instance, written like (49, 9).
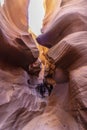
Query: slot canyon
(43, 77)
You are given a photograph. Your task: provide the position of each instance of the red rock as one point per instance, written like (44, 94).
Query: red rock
(17, 45)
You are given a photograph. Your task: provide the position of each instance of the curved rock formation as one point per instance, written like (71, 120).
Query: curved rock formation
(66, 36)
(69, 18)
(19, 102)
(17, 45)
(65, 33)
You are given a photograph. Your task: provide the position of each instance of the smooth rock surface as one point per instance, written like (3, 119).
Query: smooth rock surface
(19, 101)
(65, 33)
(17, 46)
(66, 36)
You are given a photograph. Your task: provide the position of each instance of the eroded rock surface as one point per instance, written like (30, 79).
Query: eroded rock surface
(17, 46)
(65, 33)
(66, 36)
(19, 101)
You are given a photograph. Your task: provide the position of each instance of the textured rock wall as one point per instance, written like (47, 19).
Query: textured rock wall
(15, 40)
(65, 33)
(19, 102)
(66, 36)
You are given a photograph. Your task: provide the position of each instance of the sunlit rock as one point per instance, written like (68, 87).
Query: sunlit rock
(66, 19)
(17, 45)
(19, 100)
(66, 36)
(65, 33)
(51, 8)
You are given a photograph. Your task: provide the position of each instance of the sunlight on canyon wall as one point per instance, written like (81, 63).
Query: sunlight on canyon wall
(24, 105)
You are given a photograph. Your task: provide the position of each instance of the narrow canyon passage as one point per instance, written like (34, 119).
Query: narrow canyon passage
(43, 65)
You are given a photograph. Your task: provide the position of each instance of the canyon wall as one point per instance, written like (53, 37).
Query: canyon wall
(66, 37)
(19, 102)
(64, 32)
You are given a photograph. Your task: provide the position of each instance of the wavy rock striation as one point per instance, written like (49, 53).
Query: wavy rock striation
(66, 36)
(19, 102)
(65, 33)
